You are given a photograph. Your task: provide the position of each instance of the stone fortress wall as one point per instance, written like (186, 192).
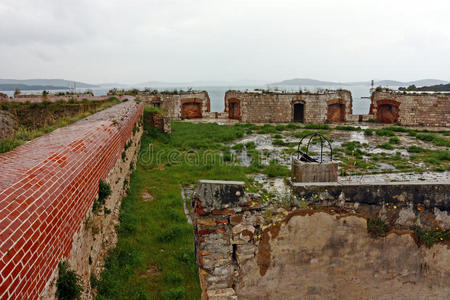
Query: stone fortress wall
(274, 107)
(48, 188)
(248, 249)
(185, 105)
(411, 109)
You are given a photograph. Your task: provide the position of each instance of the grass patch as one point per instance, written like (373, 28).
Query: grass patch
(429, 238)
(347, 128)
(317, 126)
(24, 133)
(377, 227)
(386, 146)
(394, 140)
(368, 132)
(155, 234)
(68, 286)
(384, 132)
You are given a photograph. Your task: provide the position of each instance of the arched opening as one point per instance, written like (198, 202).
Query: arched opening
(387, 111)
(191, 108)
(234, 109)
(299, 112)
(336, 110)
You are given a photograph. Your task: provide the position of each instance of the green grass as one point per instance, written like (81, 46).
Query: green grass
(394, 140)
(347, 128)
(384, 132)
(24, 134)
(386, 146)
(368, 132)
(377, 227)
(429, 238)
(155, 235)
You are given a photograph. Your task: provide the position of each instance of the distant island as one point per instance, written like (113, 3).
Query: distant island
(41, 84)
(313, 82)
(24, 87)
(431, 88)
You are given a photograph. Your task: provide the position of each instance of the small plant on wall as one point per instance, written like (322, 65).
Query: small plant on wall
(104, 190)
(68, 285)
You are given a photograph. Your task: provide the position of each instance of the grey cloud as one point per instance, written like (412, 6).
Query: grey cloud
(184, 40)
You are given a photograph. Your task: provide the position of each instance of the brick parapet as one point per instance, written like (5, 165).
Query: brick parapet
(47, 187)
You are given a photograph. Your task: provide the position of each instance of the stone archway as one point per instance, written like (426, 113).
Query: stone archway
(191, 108)
(387, 111)
(234, 109)
(336, 110)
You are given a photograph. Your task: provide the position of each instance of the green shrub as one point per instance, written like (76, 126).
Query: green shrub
(250, 146)
(384, 132)
(368, 132)
(348, 128)
(104, 190)
(429, 238)
(68, 286)
(394, 140)
(317, 126)
(238, 147)
(377, 227)
(274, 169)
(415, 149)
(386, 146)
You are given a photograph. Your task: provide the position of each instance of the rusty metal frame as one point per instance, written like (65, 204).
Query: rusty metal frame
(304, 156)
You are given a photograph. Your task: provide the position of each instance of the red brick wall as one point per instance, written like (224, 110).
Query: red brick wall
(47, 187)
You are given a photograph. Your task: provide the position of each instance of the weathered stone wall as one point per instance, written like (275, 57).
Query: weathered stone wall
(8, 124)
(47, 190)
(173, 103)
(158, 121)
(413, 109)
(250, 250)
(258, 107)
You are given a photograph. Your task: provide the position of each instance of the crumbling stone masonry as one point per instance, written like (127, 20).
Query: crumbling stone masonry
(424, 109)
(281, 107)
(186, 105)
(47, 191)
(319, 246)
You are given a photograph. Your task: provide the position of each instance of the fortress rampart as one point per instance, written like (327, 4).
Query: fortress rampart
(278, 107)
(186, 105)
(48, 188)
(332, 241)
(411, 109)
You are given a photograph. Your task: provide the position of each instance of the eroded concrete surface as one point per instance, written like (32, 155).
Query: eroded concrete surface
(324, 256)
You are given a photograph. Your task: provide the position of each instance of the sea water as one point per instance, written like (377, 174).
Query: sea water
(217, 94)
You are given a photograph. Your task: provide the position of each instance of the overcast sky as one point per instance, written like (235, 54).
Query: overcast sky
(133, 41)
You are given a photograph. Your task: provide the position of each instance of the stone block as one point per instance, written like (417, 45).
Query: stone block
(219, 196)
(314, 172)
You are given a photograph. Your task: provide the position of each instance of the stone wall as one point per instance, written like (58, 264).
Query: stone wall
(47, 191)
(424, 109)
(258, 107)
(247, 249)
(180, 106)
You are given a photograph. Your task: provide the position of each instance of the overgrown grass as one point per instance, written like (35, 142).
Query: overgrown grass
(154, 257)
(377, 227)
(24, 134)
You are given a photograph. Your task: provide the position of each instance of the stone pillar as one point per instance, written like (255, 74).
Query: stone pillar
(314, 172)
(215, 203)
